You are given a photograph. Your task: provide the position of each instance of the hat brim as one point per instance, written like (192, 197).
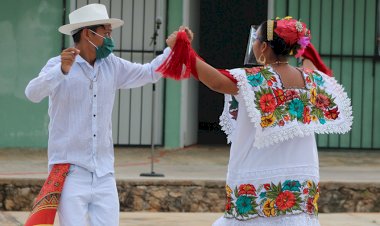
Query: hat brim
(68, 28)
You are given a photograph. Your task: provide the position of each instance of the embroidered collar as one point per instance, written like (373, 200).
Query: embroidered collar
(321, 107)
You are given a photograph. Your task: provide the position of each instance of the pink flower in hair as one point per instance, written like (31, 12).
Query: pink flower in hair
(303, 42)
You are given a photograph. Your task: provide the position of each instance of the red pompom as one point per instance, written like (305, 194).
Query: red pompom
(181, 55)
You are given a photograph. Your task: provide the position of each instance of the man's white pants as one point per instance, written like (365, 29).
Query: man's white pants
(88, 200)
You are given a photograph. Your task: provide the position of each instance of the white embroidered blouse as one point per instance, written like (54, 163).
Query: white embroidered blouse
(273, 171)
(282, 114)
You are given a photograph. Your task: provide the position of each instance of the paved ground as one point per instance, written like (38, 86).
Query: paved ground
(196, 162)
(202, 219)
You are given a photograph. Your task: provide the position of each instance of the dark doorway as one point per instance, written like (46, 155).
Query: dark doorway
(224, 30)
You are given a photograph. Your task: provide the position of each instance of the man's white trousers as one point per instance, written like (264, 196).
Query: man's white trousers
(88, 200)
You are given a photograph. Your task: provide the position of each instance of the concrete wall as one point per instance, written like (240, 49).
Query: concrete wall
(194, 196)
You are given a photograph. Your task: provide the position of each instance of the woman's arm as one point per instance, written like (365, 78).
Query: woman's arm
(207, 74)
(215, 80)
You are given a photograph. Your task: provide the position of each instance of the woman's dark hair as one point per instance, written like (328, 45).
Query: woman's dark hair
(76, 36)
(279, 46)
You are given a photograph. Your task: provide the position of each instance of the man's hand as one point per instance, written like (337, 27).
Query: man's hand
(67, 59)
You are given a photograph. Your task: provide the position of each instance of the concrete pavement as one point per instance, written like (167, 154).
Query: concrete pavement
(202, 219)
(200, 163)
(195, 162)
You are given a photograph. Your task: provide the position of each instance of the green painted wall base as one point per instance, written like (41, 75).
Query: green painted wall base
(29, 39)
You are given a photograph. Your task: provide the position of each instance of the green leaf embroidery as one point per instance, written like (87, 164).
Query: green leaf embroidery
(304, 98)
(266, 73)
(279, 112)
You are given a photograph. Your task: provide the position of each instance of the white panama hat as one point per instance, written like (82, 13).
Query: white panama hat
(89, 15)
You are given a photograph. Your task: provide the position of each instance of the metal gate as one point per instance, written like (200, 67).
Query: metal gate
(132, 113)
(344, 32)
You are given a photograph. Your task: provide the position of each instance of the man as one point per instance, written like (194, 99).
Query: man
(81, 85)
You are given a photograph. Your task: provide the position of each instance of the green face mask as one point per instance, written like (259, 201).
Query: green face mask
(105, 49)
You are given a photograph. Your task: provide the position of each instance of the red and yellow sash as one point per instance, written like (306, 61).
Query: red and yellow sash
(46, 204)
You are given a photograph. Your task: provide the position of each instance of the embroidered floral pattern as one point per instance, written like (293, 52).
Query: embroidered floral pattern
(267, 102)
(233, 107)
(245, 202)
(326, 106)
(279, 106)
(255, 79)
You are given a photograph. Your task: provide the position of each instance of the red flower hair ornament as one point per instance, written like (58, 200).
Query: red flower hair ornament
(293, 32)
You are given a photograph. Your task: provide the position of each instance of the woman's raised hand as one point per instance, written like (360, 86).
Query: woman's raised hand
(170, 41)
(190, 34)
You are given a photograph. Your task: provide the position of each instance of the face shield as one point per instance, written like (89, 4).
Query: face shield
(250, 59)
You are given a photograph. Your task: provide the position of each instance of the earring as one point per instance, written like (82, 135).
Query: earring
(262, 60)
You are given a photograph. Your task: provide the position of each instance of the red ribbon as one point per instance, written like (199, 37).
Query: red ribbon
(312, 54)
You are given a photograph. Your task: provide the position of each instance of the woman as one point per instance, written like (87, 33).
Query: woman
(270, 116)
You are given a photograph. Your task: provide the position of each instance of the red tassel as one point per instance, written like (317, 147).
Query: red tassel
(181, 55)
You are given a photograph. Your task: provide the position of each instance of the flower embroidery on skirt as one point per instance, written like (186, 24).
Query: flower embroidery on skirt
(245, 201)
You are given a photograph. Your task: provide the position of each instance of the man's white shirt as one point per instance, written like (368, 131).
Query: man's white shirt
(80, 106)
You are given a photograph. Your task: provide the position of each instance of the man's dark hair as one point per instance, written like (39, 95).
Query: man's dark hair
(76, 36)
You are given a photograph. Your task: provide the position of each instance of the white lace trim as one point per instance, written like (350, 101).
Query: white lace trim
(341, 125)
(227, 123)
(290, 220)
